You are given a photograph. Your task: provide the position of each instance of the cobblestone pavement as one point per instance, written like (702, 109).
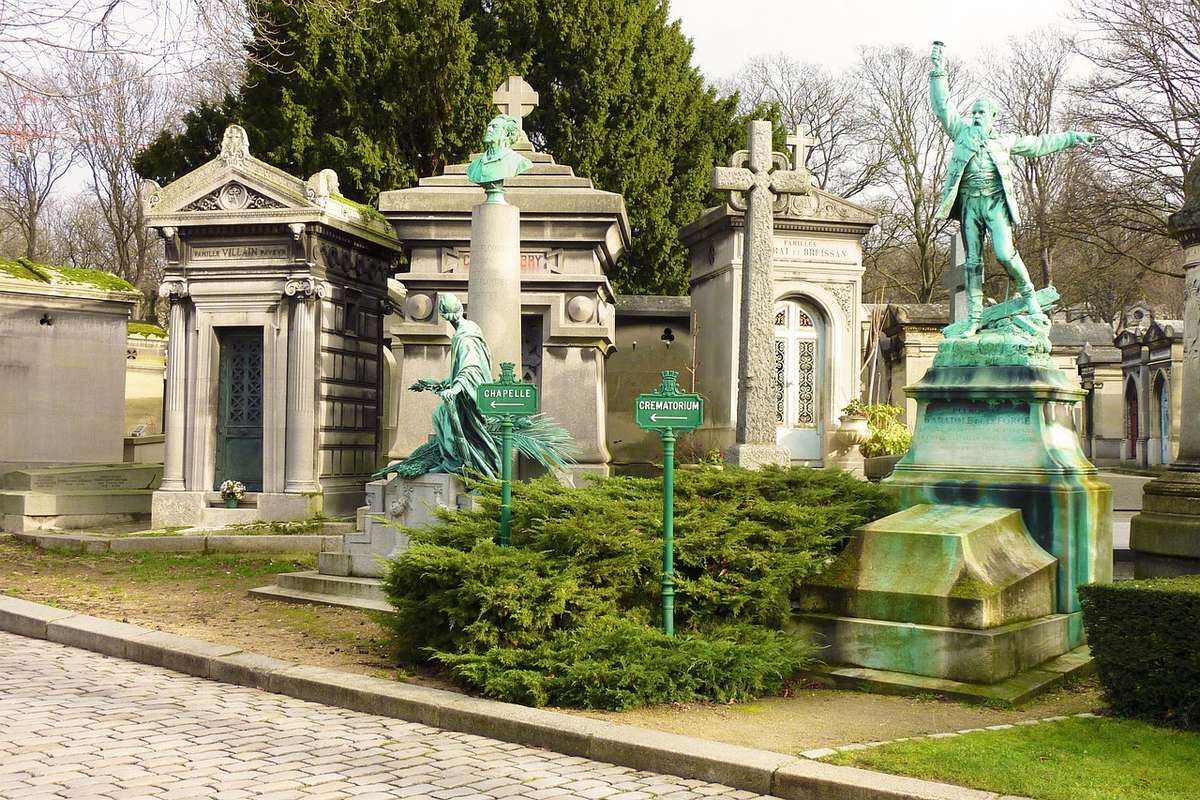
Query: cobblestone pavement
(75, 724)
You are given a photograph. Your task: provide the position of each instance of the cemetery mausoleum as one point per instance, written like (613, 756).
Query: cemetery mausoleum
(277, 290)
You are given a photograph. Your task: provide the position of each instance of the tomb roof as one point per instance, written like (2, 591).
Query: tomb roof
(27, 276)
(636, 305)
(236, 188)
(818, 210)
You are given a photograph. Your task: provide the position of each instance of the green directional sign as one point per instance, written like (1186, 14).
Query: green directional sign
(668, 408)
(507, 397)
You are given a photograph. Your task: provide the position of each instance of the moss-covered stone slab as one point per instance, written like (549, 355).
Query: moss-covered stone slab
(1019, 689)
(958, 654)
(953, 566)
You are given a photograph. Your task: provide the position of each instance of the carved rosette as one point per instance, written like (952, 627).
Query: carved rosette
(173, 289)
(305, 288)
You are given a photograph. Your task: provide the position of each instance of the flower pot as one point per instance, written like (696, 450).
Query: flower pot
(231, 502)
(853, 430)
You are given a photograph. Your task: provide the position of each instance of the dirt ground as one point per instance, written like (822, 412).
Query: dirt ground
(205, 597)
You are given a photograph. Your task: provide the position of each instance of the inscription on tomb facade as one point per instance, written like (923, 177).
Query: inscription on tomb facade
(241, 252)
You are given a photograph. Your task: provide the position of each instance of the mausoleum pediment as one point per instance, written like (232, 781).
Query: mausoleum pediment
(237, 188)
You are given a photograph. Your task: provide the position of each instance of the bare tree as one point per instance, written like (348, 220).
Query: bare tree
(110, 127)
(844, 159)
(906, 254)
(1144, 97)
(34, 156)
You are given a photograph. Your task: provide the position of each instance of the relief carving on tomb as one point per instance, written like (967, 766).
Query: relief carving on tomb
(233, 196)
(352, 264)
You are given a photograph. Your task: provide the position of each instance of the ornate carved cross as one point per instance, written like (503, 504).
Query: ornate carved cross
(516, 98)
(750, 173)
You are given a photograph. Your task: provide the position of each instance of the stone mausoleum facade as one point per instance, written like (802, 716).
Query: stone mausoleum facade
(817, 279)
(277, 290)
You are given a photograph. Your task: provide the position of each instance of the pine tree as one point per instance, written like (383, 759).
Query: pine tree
(405, 89)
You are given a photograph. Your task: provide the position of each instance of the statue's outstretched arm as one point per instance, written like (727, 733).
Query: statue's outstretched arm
(939, 94)
(1034, 146)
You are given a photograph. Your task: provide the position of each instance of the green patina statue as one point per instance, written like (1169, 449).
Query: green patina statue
(464, 442)
(491, 169)
(979, 193)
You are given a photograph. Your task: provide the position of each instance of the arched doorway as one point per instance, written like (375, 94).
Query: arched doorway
(799, 379)
(1131, 420)
(1163, 396)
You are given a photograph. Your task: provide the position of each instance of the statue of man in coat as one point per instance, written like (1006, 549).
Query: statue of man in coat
(979, 190)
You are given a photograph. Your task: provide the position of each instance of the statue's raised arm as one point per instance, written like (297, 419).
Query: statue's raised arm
(939, 93)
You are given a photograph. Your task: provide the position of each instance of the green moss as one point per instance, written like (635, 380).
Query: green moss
(368, 213)
(95, 277)
(972, 588)
(146, 329)
(24, 269)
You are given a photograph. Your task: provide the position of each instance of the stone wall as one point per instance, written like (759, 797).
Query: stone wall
(652, 334)
(62, 374)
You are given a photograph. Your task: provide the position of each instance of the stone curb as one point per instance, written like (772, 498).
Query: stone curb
(745, 768)
(185, 543)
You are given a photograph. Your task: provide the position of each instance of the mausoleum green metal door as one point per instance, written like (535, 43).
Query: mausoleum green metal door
(240, 407)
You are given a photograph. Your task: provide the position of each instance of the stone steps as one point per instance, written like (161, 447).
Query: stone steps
(332, 590)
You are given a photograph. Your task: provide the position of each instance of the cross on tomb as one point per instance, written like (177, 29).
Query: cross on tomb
(750, 173)
(516, 98)
(799, 143)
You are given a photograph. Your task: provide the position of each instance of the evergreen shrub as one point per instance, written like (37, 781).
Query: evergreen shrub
(1145, 638)
(568, 615)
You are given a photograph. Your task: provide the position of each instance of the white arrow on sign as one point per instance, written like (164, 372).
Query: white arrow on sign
(508, 405)
(656, 417)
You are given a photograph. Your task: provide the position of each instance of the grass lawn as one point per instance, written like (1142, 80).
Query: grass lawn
(1076, 759)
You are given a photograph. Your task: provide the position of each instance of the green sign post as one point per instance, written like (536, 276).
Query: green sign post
(508, 399)
(668, 410)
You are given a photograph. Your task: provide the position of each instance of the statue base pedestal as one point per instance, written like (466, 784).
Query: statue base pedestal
(1004, 436)
(392, 503)
(1165, 536)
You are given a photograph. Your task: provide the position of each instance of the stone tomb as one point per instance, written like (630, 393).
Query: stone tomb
(278, 289)
(572, 234)
(1152, 390)
(817, 284)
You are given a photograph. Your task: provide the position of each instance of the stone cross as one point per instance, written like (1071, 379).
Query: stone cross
(516, 98)
(750, 172)
(799, 144)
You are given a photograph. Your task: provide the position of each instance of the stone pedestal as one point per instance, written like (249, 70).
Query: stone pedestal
(955, 592)
(1003, 436)
(392, 503)
(1165, 537)
(494, 282)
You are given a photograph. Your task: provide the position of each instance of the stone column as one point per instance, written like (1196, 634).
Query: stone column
(175, 412)
(494, 279)
(1165, 536)
(299, 469)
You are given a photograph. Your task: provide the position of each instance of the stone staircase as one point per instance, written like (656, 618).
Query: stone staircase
(335, 590)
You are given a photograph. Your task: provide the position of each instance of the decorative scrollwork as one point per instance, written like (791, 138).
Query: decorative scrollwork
(305, 287)
(173, 289)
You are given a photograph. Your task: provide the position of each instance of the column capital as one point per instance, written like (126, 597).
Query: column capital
(306, 287)
(173, 289)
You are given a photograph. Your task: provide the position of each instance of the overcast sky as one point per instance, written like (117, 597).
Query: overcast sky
(727, 32)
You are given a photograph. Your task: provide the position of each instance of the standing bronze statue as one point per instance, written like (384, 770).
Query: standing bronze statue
(979, 193)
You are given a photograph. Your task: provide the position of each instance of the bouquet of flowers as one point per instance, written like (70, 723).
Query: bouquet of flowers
(232, 490)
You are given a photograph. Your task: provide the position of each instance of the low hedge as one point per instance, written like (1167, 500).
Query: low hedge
(568, 615)
(1145, 637)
